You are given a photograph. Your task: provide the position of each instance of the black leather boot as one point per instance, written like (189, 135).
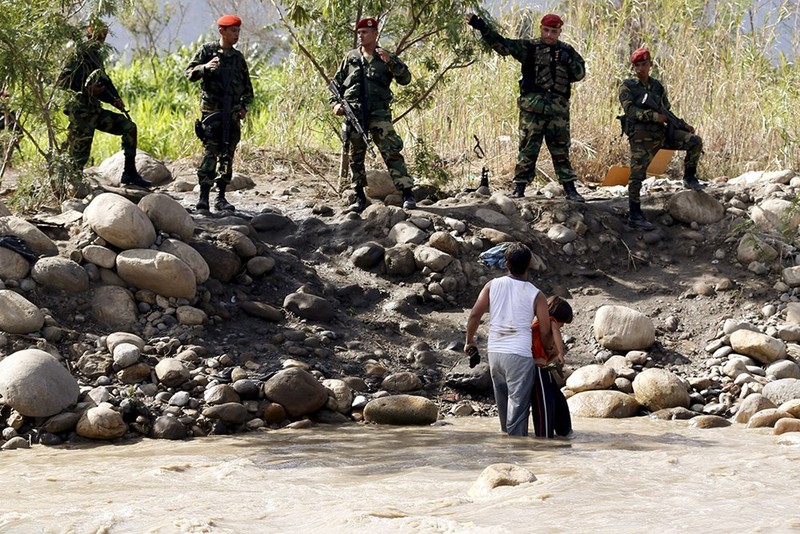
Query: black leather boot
(131, 177)
(409, 202)
(636, 218)
(690, 179)
(519, 190)
(202, 202)
(222, 204)
(572, 192)
(361, 201)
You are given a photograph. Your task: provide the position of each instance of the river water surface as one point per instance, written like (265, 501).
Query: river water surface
(631, 475)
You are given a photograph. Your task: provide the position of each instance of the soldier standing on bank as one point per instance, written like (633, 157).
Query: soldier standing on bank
(549, 66)
(648, 133)
(363, 79)
(85, 77)
(226, 95)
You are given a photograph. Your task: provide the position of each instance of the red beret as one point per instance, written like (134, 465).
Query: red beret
(367, 23)
(552, 21)
(640, 54)
(229, 20)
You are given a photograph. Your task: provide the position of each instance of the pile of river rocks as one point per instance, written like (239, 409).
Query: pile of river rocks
(151, 281)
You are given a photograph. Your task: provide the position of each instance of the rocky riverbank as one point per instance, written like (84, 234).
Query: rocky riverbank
(136, 316)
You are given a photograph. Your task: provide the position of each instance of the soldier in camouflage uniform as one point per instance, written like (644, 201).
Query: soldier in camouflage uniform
(363, 78)
(225, 86)
(648, 133)
(549, 66)
(85, 77)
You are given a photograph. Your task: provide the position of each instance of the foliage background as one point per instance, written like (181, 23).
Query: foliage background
(720, 62)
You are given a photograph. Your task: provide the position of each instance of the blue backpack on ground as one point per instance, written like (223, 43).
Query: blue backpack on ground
(495, 256)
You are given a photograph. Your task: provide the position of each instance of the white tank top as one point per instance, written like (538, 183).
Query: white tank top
(511, 312)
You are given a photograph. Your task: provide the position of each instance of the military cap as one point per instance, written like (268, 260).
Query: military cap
(640, 54)
(367, 23)
(229, 20)
(552, 21)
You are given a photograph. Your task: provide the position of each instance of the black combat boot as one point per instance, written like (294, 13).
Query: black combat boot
(221, 204)
(636, 218)
(519, 190)
(572, 192)
(202, 202)
(690, 179)
(361, 201)
(130, 176)
(409, 202)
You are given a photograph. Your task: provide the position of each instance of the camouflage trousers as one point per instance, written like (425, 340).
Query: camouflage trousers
(389, 144)
(217, 163)
(83, 121)
(553, 128)
(644, 147)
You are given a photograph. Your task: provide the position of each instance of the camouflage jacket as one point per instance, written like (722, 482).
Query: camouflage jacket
(548, 69)
(232, 76)
(83, 69)
(359, 77)
(638, 118)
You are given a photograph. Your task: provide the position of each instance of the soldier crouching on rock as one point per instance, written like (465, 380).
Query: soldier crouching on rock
(227, 93)
(85, 77)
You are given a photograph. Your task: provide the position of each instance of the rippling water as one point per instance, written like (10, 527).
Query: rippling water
(633, 475)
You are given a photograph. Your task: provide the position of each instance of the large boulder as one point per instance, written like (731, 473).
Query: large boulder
(101, 422)
(782, 390)
(190, 257)
(591, 377)
(157, 271)
(297, 391)
(167, 215)
(18, 315)
(60, 273)
(777, 215)
(622, 328)
(119, 221)
(151, 169)
(401, 410)
(603, 403)
(406, 232)
(35, 383)
(33, 237)
(695, 206)
(657, 389)
(761, 347)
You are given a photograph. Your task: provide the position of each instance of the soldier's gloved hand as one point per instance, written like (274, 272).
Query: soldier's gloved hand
(563, 56)
(474, 356)
(478, 23)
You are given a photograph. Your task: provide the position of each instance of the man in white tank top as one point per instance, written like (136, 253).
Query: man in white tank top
(512, 303)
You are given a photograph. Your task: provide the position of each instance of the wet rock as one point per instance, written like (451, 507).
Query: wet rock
(101, 422)
(497, 475)
(35, 383)
(709, 421)
(782, 426)
(274, 413)
(670, 414)
(231, 413)
(766, 418)
(591, 377)
(603, 404)
(401, 410)
(751, 405)
(166, 427)
(17, 442)
(658, 388)
(297, 391)
(63, 422)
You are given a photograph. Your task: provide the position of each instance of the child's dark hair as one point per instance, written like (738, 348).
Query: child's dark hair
(518, 258)
(559, 309)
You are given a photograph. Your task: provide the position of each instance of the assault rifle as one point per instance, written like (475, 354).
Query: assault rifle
(673, 121)
(350, 117)
(99, 76)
